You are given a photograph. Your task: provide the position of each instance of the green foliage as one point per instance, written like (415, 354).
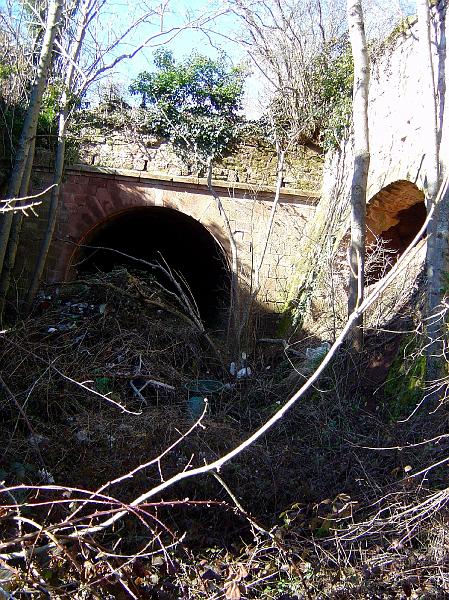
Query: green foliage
(194, 103)
(5, 71)
(50, 107)
(334, 78)
(48, 122)
(13, 117)
(401, 28)
(103, 385)
(285, 586)
(317, 107)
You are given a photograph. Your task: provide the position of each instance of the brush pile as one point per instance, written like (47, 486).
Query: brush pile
(96, 387)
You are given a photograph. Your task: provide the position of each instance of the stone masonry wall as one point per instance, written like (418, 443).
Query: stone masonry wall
(252, 161)
(397, 124)
(91, 196)
(397, 137)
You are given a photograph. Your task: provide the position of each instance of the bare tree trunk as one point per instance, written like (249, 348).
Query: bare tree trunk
(76, 82)
(14, 234)
(52, 211)
(31, 119)
(437, 231)
(361, 165)
(60, 153)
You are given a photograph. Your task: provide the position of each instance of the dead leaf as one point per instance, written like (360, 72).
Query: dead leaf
(232, 591)
(242, 572)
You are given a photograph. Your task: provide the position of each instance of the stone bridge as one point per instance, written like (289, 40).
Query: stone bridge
(143, 214)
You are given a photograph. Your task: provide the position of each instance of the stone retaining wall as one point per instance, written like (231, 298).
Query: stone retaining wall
(398, 146)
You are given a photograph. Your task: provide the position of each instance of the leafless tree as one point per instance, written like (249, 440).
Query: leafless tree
(438, 237)
(361, 164)
(17, 181)
(84, 56)
(286, 41)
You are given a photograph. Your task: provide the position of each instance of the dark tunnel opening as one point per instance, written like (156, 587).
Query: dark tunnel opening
(411, 220)
(394, 217)
(187, 247)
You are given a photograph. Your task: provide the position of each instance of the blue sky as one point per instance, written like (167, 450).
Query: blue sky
(213, 42)
(119, 13)
(381, 16)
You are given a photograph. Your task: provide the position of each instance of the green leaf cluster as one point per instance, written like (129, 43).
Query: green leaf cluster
(50, 107)
(334, 79)
(195, 103)
(404, 386)
(5, 71)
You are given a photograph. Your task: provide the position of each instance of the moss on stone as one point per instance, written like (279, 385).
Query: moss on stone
(405, 381)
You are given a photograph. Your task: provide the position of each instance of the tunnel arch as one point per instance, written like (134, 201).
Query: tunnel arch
(394, 216)
(150, 232)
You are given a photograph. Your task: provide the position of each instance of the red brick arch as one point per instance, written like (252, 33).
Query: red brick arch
(92, 197)
(90, 202)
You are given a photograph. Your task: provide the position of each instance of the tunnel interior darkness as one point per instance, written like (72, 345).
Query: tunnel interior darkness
(394, 216)
(186, 246)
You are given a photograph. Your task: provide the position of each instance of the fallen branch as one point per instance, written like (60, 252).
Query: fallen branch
(215, 466)
(77, 383)
(131, 376)
(193, 317)
(220, 462)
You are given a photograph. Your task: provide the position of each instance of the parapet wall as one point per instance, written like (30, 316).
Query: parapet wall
(252, 161)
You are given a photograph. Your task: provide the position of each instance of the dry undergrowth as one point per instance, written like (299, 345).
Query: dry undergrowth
(330, 518)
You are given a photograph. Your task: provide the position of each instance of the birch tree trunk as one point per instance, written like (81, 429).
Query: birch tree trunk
(437, 231)
(52, 212)
(233, 341)
(60, 151)
(14, 234)
(361, 165)
(31, 119)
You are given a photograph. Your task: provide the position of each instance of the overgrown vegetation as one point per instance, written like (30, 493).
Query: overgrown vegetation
(325, 112)
(121, 477)
(15, 84)
(194, 103)
(278, 519)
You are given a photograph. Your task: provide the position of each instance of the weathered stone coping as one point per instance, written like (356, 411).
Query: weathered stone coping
(197, 183)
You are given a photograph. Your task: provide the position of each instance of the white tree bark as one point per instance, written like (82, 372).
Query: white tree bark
(31, 119)
(72, 65)
(437, 259)
(15, 229)
(361, 164)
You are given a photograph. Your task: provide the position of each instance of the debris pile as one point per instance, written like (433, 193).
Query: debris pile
(104, 389)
